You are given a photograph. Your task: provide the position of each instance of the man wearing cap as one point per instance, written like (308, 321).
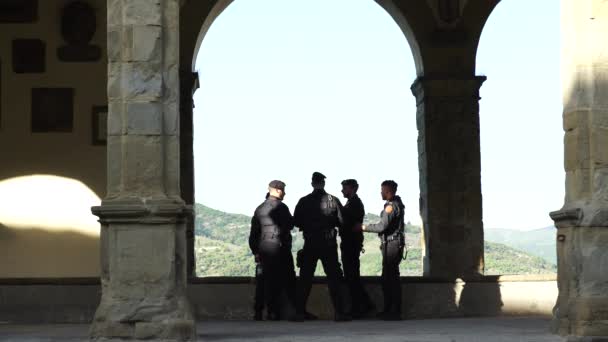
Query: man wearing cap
(317, 215)
(391, 231)
(270, 242)
(351, 245)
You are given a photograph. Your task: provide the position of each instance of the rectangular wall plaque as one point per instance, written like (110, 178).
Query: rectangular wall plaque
(99, 121)
(29, 56)
(52, 109)
(18, 11)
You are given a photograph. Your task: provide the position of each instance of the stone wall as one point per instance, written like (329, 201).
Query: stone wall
(75, 301)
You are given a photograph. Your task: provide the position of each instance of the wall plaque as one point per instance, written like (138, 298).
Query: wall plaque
(18, 11)
(99, 121)
(52, 109)
(28, 56)
(78, 26)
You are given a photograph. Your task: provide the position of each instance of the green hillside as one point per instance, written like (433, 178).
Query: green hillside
(221, 249)
(539, 242)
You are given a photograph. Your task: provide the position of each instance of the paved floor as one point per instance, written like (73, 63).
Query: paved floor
(437, 330)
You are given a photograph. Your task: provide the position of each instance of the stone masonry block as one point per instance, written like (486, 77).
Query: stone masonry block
(147, 330)
(142, 81)
(114, 45)
(171, 83)
(144, 118)
(115, 118)
(133, 264)
(142, 12)
(143, 165)
(598, 144)
(114, 9)
(114, 81)
(575, 119)
(578, 184)
(114, 167)
(598, 118)
(171, 119)
(600, 185)
(600, 88)
(146, 43)
(172, 165)
(576, 150)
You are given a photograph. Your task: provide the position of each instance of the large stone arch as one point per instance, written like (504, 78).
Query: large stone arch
(150, 49)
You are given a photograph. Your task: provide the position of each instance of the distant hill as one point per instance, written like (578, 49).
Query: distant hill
(539, 242)
(221, 249)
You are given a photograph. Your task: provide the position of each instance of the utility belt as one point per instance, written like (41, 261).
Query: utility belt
(395, 236)
(326, 235)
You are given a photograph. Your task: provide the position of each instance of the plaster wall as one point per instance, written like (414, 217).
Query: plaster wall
(44, 231)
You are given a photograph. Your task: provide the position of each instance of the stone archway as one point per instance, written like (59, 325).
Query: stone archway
(143, 217)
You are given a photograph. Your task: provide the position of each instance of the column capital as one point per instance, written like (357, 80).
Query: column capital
(140, 211)
(439, 86)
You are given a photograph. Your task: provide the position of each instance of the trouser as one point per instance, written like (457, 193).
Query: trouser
(392, 254)
(258, 302)
(327, 252)
(278, 274)
(350, 252)
(290, 278)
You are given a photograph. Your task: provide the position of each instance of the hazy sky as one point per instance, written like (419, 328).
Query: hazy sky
(290, 87)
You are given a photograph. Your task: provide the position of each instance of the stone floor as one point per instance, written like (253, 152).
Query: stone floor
(437, 330)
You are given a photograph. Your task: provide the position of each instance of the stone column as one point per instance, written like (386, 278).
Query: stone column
(143, 240)
(581, 310)
(188, 84)
(450, 187)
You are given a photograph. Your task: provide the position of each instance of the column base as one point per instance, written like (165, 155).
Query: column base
(587, 338)
(144, 323)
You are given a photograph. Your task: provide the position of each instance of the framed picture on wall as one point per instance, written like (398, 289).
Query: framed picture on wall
(99, 132)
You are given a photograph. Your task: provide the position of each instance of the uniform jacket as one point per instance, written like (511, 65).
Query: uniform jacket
(318, 213)
(271, 221)
(352, 214)
(392, 219)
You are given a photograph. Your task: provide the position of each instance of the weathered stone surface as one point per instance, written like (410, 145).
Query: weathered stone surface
(143, 168)
(115, 119)
(142, 81)
(144, 118)
(144, 12)
(134, 264)
(144, 242)
(115, 82)
(580, 311)
(449, 163)
(145, 44)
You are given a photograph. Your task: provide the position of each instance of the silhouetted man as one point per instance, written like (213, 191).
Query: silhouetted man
(351, 245)
(270, 242)
(317, 215)
(391, 232)
(258, 301)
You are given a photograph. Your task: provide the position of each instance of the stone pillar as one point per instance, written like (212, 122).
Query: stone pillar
(581, 310)
(450, 187)
(143, 238)
(188, 84)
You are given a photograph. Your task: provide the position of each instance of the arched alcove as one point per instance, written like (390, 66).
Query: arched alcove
(346, 94)
(520, 128)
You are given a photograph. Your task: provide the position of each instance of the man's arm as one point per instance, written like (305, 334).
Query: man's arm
(298, 218)
(359, 212)
(340, 218)
(254, 235)
(286, 218)
(385, 220)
